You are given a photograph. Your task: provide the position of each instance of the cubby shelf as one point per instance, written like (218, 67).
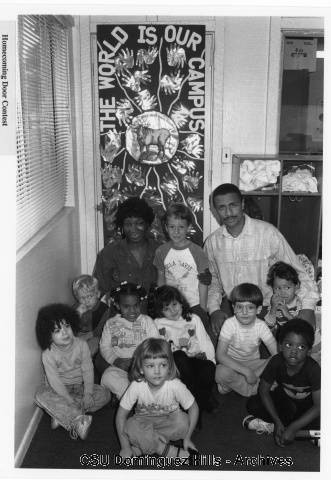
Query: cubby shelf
(298, 215)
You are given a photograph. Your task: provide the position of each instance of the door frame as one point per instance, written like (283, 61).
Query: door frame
(89, 181)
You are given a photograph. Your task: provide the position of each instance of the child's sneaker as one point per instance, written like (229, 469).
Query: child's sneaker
(54, 423)
(223, 389)
(260, 426)
(81, 427)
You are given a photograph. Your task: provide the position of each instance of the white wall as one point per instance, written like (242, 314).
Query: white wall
(43, 276)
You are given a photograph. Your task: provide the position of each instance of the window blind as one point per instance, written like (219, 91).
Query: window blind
(44, 143)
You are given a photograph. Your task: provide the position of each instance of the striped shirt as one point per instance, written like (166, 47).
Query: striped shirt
(247, 258)
(244, 340)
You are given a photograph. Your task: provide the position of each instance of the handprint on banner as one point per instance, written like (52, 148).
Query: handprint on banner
(191, 145)
(112, 145)
(180, 115)
(183, 166)
(111, 176)
(134, 81)
(176, 56)
(191, 182)
(135, 175)
(146, 57)
(124, 112)
(124, 60)
(171, 83)
(145, 100)
(169, 185)
(195, 203)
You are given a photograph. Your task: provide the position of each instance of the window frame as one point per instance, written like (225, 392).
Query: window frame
(59, 128)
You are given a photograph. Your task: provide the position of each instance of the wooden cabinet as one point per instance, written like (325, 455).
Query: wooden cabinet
(283, 202)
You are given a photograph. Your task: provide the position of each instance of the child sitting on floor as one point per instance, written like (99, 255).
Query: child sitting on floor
(237, 351)
(91, 310)
(122, 334)
(295, 403)
(156, 394)
(191, 345)
(70, 390)
(285, 304)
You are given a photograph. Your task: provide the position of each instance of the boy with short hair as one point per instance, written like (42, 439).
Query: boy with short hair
(183, 264)
(237, 351)
(295, 403)
(91, 310)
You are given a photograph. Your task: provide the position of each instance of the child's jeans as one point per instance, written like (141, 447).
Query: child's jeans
(288, 409)
(59, 408)
(143, 430)
(116, 380)
(235, 381)
(198, 375)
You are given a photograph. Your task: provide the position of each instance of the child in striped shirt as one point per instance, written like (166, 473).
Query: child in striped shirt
(238, 355)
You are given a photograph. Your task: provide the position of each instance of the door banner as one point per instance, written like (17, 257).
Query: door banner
(151, 93)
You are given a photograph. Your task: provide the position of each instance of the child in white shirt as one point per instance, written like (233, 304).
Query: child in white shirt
(183, 264)
(240, 365)
(191, 345)
(156, 394)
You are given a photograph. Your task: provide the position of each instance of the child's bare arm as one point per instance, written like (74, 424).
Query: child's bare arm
(193, 414)
(121, 418)
(305, 419)
(271, 346)
(160, 277)
(203, 295)
(264, 392)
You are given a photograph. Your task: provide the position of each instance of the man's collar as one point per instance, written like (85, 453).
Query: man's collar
(247, 228)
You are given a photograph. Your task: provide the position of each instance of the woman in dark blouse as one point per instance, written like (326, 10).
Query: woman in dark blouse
(131, 258)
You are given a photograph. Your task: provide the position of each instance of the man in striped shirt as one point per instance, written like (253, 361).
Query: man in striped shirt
(242, 250)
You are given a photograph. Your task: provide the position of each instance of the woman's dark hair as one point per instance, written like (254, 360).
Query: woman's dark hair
(299, 327)
(247, 292)
(52, 316)
(126, 288)
(166, 294)
(282, 270)
(224, 189)
(134, 207)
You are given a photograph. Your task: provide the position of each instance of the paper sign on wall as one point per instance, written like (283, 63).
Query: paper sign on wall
(300, 54)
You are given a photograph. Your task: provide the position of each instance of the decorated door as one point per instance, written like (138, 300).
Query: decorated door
(152, 119)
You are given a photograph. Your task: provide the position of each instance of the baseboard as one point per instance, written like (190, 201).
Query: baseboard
(27, 438)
